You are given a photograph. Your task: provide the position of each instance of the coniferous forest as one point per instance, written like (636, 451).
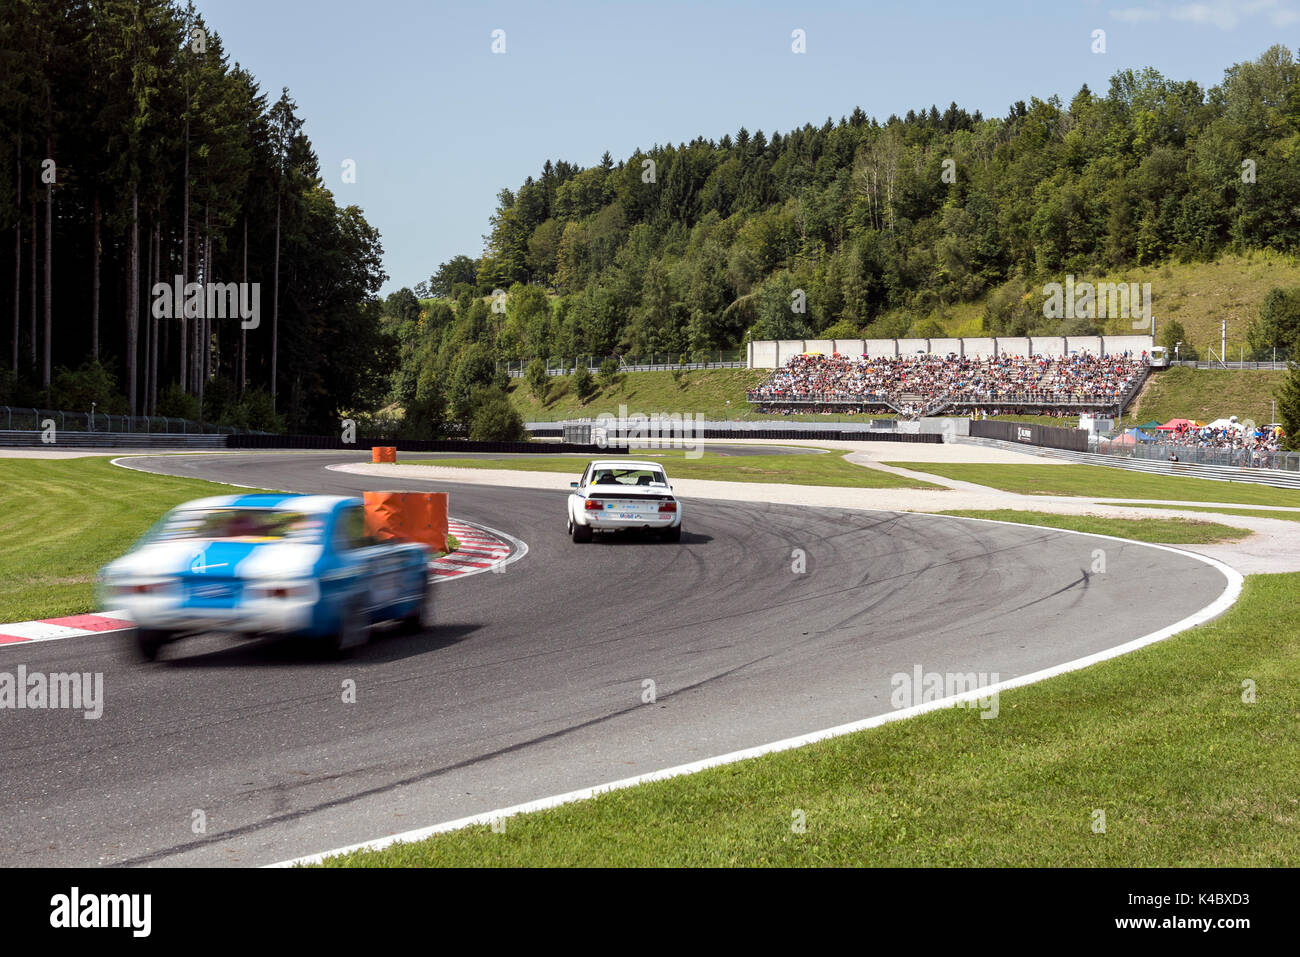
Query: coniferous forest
(135, 149)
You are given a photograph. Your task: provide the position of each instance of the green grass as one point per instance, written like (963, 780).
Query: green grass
(826, 470)
(1166, 531)
(453, 543)
(61, 520)
(1160, 739)
(1207, 394)
(701, 390)
(1099, 481)
(1249, 512)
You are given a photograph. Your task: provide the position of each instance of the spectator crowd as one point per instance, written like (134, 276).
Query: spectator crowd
(1223, 438)
(926, 384)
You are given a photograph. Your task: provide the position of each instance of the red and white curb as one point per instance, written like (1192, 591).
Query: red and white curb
(481, 549)
(52, 629)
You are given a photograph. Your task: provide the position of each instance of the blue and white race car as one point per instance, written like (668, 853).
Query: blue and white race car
(268, 564)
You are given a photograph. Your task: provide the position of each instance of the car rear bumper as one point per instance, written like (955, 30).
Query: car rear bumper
(270, 617)
(603, 522)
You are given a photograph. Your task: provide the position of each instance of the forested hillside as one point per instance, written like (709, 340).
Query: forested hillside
(135, 149)
(884, 225)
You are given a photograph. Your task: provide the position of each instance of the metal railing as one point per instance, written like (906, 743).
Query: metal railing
(1193, 455)
(1074, 400)
(1277, 366)
(27, 419)
(952, 400)
(1280, 478)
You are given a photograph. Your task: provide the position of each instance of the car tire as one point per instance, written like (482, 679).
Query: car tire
(673, 534)
(354, 627)
(581, 533)
(149, 641)
(420, 620)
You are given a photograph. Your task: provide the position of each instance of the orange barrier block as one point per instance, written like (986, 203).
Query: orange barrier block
(410, 516)
(383, 453)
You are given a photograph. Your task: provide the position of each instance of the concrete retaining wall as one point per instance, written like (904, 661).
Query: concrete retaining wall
(944, 347)
(1114, 345)
(1047, 346)
(1084, 344)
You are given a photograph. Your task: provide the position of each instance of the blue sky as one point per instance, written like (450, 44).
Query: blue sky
(437, 123)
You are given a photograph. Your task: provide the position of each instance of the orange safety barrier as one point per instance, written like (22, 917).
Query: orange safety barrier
(410, 516)
(383, 453)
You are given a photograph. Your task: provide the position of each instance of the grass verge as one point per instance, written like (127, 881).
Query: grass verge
(1188, 774)
(828, 470)
(62, 519)
(1248, 512)
(1164, 531)
(1099, 481)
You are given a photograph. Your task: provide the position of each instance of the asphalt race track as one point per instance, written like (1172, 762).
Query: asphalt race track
(531, 685)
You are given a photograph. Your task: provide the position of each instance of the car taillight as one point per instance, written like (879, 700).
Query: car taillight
(592, 505)
(294, 590)
(145, 589)
(668, 507)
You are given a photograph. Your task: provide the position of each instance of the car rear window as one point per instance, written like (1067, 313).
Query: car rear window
(256, 524)
(629, 477)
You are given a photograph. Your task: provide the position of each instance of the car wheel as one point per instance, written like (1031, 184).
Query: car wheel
(149, 642)
(581, 533)
(420, 620)
(673, 534)
(354, 627)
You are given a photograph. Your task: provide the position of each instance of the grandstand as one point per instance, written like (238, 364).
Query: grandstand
(925, 385)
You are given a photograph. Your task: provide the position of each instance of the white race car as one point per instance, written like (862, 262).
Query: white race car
(618, 494)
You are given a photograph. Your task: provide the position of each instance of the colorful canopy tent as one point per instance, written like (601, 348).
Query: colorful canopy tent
(1174, 425)
(1132, 437)
(1231, 424)
(1153, 424)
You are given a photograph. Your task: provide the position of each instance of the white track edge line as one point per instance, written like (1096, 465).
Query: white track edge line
(1226, 598)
